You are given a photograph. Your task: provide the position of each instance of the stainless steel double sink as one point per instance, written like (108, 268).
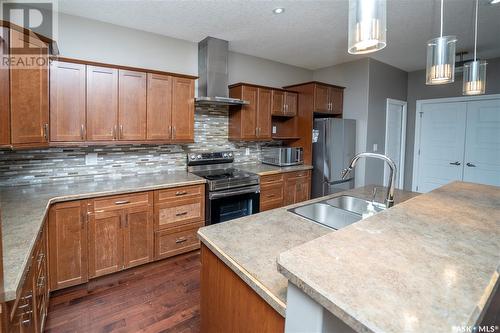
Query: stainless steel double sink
(339, 212)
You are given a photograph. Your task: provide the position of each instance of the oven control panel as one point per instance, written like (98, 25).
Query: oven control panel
(210, 158)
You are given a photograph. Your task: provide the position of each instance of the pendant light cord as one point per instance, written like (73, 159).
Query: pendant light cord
(475, 30)
(442, 9)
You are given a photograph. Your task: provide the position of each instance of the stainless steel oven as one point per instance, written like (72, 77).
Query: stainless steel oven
(230, 193)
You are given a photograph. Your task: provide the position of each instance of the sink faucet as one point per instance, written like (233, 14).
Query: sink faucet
(389, 199)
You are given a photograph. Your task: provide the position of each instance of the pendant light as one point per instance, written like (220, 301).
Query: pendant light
(441, 57)
(475, 71)
(367, 26)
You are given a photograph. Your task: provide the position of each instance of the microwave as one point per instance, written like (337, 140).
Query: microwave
(283, 156)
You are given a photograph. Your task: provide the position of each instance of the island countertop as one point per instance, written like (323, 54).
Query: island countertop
(427, 265)
(251, 245)
(24, 208)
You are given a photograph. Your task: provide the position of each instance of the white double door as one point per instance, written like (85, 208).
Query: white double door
(458, 141)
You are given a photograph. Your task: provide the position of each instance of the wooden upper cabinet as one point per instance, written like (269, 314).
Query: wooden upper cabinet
(138, 236)
(243, 119)
(278, 102)
(67, 102)
(68, 244)
(132, 105)
(102, 103)
(159, 107)
(29, 92)
(182, 109)
(321, 98)
(337, 100)
(291, 103)
(4, 90)
(105, 242)
(264, 113)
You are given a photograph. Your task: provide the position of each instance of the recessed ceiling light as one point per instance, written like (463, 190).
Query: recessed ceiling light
(282, 10)
(494, 2)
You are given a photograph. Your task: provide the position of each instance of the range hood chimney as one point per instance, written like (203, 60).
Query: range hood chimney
(213, 73)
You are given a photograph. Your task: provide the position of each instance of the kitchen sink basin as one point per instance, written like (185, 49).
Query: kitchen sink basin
(327, 215)
(338, 212)
(355, 205)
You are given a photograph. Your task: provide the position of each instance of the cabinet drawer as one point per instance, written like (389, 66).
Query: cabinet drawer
(171, 242)
(179, 212)
(180, 193)
(271, 178)
(271, 196)
(298, 174)
(121, 201)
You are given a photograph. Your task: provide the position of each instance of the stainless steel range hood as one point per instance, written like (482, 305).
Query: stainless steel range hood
(213, 73)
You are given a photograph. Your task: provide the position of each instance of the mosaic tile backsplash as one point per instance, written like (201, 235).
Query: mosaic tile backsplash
(68, 164)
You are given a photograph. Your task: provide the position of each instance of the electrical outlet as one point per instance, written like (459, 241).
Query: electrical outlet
(91, 159)
(247, 151)
(375, 147)
(274, 129)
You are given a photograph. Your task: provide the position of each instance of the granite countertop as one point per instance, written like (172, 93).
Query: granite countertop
(266, 169)
(23, 209)
(427, 265)
(250, 245)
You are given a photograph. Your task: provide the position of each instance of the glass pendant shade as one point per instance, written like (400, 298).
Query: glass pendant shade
(474, 78)
(367, 26)
(441, 60)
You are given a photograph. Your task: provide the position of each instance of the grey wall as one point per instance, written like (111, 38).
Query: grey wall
(385, 82)
(417, 89)
(108, 43)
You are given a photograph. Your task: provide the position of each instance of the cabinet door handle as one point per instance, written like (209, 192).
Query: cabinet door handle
(270, 196)
(179, 193)
(181, 214)
(46, 132)
(41, 282)
(470, 165)
(126, 221)
(180, 240)
(121, 131)
(122, 202)
(82, 132)
(114, 132)
(455, 163)
(173, 132)
(170, 131)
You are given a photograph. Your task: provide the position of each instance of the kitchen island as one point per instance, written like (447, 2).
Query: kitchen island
(428, 264)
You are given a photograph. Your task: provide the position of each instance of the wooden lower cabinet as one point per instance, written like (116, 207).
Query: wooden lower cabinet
(228, 304)
(138, 236)
(284, 189)
(176, 240)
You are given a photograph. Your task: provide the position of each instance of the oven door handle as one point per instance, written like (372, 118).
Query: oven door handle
(225, 194)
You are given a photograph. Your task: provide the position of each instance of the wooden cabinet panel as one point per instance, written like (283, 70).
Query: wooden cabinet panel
(249, 113)
(303, 189)
(180, 212)
(182, 109)
(321, 98)
(297, 187)
(271, 196)
(336, 100)
(68, 244)
(40, 282)
(264, 114)
(131, 105)
(122, 201)
(138, 236)
(179, 193)
(278, 102)
(105, 242)
(67, 102)
(291, 102)
(174, 241)
(159, 107)
(4, 90)
(102, 103)
(29, 93)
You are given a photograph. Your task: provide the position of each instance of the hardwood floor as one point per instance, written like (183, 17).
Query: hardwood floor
(158, 297)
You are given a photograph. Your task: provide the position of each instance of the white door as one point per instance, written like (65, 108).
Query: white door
(482, 147)
(442, 139)
(395, 136)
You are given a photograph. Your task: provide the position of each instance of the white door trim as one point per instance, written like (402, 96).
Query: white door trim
(404, 106)
(418, 124)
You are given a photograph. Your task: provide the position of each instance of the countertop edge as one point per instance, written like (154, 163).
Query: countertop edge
(11, 294)
(316, 295)
(284, 169)
(253, 283)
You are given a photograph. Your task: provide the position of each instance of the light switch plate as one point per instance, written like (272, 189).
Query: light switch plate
(375, 147)
(91, 159)
(247, 151)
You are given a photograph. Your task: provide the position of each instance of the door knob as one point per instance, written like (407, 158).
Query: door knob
(455, 163)
(470, 165)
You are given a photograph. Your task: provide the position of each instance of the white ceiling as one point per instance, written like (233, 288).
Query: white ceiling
(310, 34)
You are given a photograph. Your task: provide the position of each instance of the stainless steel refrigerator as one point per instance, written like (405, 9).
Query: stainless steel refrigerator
(332, 151)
